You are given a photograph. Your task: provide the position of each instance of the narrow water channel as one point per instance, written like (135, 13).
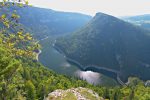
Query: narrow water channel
(52, 59)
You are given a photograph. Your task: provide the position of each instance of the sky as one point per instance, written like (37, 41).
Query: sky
(90, 7)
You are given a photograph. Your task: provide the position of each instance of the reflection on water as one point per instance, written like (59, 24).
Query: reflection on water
(57, 62)
(89, 76)
(66, 65)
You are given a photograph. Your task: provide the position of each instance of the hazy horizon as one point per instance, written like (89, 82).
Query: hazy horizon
(91, 7)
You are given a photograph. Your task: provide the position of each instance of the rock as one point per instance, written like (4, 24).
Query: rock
(147, 83)
(74, 94)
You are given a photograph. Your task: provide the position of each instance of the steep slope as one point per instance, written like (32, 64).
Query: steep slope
(45, 22)
(112, 44)
(49, 22)
(141, 20)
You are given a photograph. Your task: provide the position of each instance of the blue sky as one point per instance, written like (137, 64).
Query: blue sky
(90, 7)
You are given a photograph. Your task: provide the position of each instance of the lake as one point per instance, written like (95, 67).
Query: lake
(55, 61)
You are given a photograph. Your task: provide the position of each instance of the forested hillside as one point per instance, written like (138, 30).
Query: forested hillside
(49, 22)
(23, 78)
(28, 80)
(140, 20)
(109, 42)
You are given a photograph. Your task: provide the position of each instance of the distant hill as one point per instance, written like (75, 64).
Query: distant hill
(111, 43)
(44, 22)
(141, 20)
(49, 22)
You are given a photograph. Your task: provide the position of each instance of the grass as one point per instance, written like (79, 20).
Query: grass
(88, 95)
(69, 96)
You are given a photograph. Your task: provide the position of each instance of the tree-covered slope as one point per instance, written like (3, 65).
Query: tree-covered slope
(141, 20)
(44, 22)
(29, 80)
(23, 78)
(111, 43)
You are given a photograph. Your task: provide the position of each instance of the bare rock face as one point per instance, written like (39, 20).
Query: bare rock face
(74, 94)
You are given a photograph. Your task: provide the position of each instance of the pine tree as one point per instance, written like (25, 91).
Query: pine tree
(30, 91)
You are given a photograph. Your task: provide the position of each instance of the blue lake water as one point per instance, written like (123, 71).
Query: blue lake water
(55, 61)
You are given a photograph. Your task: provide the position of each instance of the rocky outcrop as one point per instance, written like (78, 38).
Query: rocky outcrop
(74, 94)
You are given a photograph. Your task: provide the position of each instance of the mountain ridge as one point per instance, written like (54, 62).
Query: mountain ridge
(110, 42)
(48, 22)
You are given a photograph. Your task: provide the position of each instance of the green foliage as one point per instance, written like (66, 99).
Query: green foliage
(30, 80)
(111, 43)
(30, 90)
(21, 78)
(13, 36)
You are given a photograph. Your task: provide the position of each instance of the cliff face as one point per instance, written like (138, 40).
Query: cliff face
(74, 94)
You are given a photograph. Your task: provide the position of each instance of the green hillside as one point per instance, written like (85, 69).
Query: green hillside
(111, 43)
(140, 20)
(49, 22)
(23, 78)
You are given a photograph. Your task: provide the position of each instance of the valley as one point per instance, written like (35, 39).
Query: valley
(56, 61)
(114, 74)
(112, 43)
(49, 40)
(56, 55)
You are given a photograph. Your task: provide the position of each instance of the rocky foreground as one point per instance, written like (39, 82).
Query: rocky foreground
(74, 94)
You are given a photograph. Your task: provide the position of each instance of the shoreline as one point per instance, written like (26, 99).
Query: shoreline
(86, 67)
(37, 55)
(40, 50)
(112, 73)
